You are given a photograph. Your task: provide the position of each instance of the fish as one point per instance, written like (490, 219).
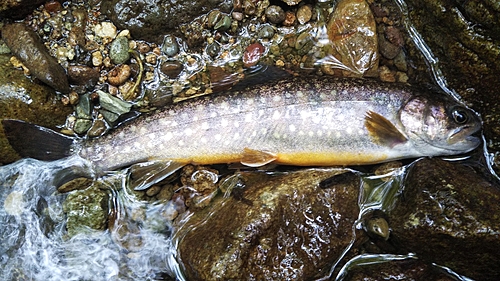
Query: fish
(300, 121)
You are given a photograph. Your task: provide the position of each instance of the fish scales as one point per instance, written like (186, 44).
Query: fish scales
(301, 121)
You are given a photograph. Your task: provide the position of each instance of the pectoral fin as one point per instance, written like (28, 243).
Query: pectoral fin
(382, 131)
(144, 175)
(256, 158)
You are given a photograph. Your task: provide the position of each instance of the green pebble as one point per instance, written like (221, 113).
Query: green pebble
(113, 104)
(82, 126)
(266, 32)
(170, 46)
(109, 116)
(119, 50)
(223, 24)
(84, 108)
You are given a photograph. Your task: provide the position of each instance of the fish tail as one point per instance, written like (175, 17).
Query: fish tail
(32, 141)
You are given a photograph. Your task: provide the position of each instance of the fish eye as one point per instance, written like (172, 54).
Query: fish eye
(459, 115)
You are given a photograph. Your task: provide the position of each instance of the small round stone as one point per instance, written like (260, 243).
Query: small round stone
(171, 68)
(275, 14)
(213, 17)
(213, 49)
(266, 32)
(223, 24)
(252, 54)
(118, 75)
(170, 46)
(304, 14)
(119, 50)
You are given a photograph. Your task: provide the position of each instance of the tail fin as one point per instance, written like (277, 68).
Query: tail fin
(32, 141)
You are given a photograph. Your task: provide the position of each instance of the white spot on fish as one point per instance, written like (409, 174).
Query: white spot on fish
(133, 128)
(319, 133)
(218, 137)
(249, 101)
(310, 133)
(226, 142)
(263, 131)
(213, 114)
(236, 124)
(236, 136)
(300, 94)
(171, 112)
(224, 105)
(248, 117)
(224, 122)
(203, 140)
(205, 126)
(167, 137)
(276, 115)
(188, 132)
(276, 98)
(254, 133)
(348, 130)
(301, 133)
(143, 131)
(292, 128)
(276, 135)
(338, 135)
(261, 113)
(181, 142)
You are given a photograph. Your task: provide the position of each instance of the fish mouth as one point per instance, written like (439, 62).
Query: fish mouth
(468, 136)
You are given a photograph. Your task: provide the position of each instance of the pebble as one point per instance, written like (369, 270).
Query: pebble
(96, 58)
(119, 50)
(118, 75)
(74, 98)
(213, 18)
(275, 14)
(29, 48)
(237, 16)
(266, 32)
(378, 227)
(98, 128)
(171, 68)
(113, 104)
(82, 125)
(165, 193)
(170, 46)
(151, 59)
(83, 75)
(289, 19)
(223, 24)
(387, 49)
(83, 108)
(213, 49)
(400, 61)
(105, 30)
(394, 36)
(304, 14)
(249, 7)
(386, 74)
(252, 54)
(153, 190)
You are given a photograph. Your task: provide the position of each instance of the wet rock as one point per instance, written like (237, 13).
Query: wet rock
(170, 46)
(353, 33)
(118, 75)
(292, 2)
(146, 18)
(86, 208)
(449, 215)
(275, 14)
(387, 49)
(304, 14)
(466, 41)
(18, 9)
(171, 68)
(83, 75)
(248, 234)
(252, 54)
(22, 99)
(404, 270)
(119, 50)
(28, 47)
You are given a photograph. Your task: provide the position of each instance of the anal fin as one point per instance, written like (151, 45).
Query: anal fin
(144, 175)
(256, 158)
(382, 131)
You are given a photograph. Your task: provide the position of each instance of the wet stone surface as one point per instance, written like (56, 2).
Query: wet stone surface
(279, 227)
(22, 99)
(146, 19)
(455, 213)
(28, 47)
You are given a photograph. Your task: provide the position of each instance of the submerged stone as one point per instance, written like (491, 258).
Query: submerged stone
(29, 48)
(283, 227)
(24, 100)
(449, 215)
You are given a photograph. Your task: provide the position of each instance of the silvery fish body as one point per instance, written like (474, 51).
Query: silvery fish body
(298, 121)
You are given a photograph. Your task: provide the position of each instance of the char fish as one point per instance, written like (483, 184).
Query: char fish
(320, 121)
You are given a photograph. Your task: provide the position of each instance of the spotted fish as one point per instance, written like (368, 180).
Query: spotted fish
(319, 121)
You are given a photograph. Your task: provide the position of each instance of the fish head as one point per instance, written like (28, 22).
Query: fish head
(438, 125)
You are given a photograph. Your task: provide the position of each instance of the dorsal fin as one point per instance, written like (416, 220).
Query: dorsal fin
(382, 131)
(256, 158)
